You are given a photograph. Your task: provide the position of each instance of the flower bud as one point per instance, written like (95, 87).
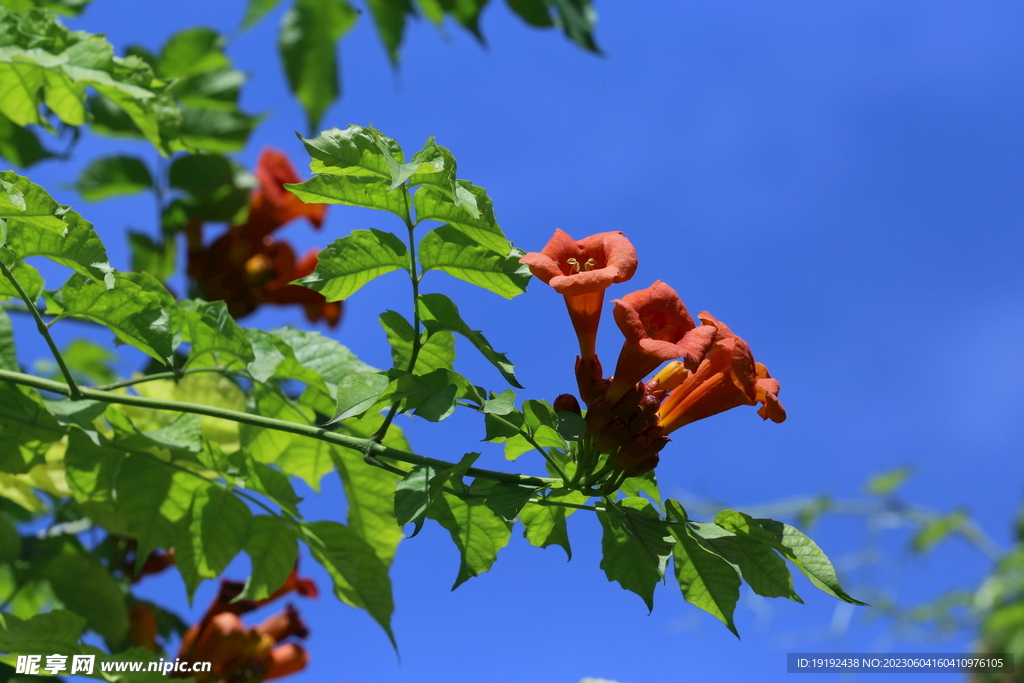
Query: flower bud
(567, 403)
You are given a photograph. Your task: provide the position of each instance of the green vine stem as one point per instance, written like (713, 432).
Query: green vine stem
(414, 277)
(72, 387)
(368, 447)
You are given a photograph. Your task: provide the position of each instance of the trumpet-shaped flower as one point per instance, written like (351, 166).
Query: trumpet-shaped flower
(726, 377)
(657, 328)
(581, 271)
(247, 266)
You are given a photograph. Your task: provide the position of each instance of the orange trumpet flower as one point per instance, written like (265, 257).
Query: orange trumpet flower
(581, 271)
(726, 377)
(657, 328)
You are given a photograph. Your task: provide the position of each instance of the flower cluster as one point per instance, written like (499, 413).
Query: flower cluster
(247, 266)
(240, 653)
(710, 369)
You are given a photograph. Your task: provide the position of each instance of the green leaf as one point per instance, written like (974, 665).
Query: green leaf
(10, 541)
(256, 10)
(273, 549)
(533, 12)
(636, 546)
(307, 43)
(645, 483)
(507, 500)
(113, 176)
(39, 226)
(421, 487)
(156, 258)
(296, 455)
(471, 214)
(751, 549)
(439, 314)
(436, 352)
(707, 580)
(136, 316)
(27, 276)
(26, 429)
(155, 500)
(577, 19)
(357, 393)
(502, 404)
(887, 483)
(545, 526)
(42, 62)
(477, 531)
(219, 528)
(432, 165)
(192, 51)
(431, 396)
(452, 251)
(271, 483)
(808, 557)
(55, 632)
(360, 577)
(216, 130)
(355, 151)
(369, 493)
(352, 190)
(8, 354)
(215, 334)
(204, 388)
(90, 360)
(218, 188)
(327, 360)
(350, 262)
(268, 353)
(90, 468)
(70, 8)
(20, 146)
(389, 17)
(937, 530)
(87, 588)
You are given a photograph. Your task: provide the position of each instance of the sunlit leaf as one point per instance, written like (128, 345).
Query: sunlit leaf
(26, 429)
(42, 62)
(355, 151)
(273, 549)
(439, 314)
(350, 262)
(436, 352)
(360, 577)
(134, 315)
(155, 499)
(473, 215)
(453, 252)
(192, 51)
(216, 337)
(219, 528)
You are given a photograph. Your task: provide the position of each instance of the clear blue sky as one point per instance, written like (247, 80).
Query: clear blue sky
(841, 183)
